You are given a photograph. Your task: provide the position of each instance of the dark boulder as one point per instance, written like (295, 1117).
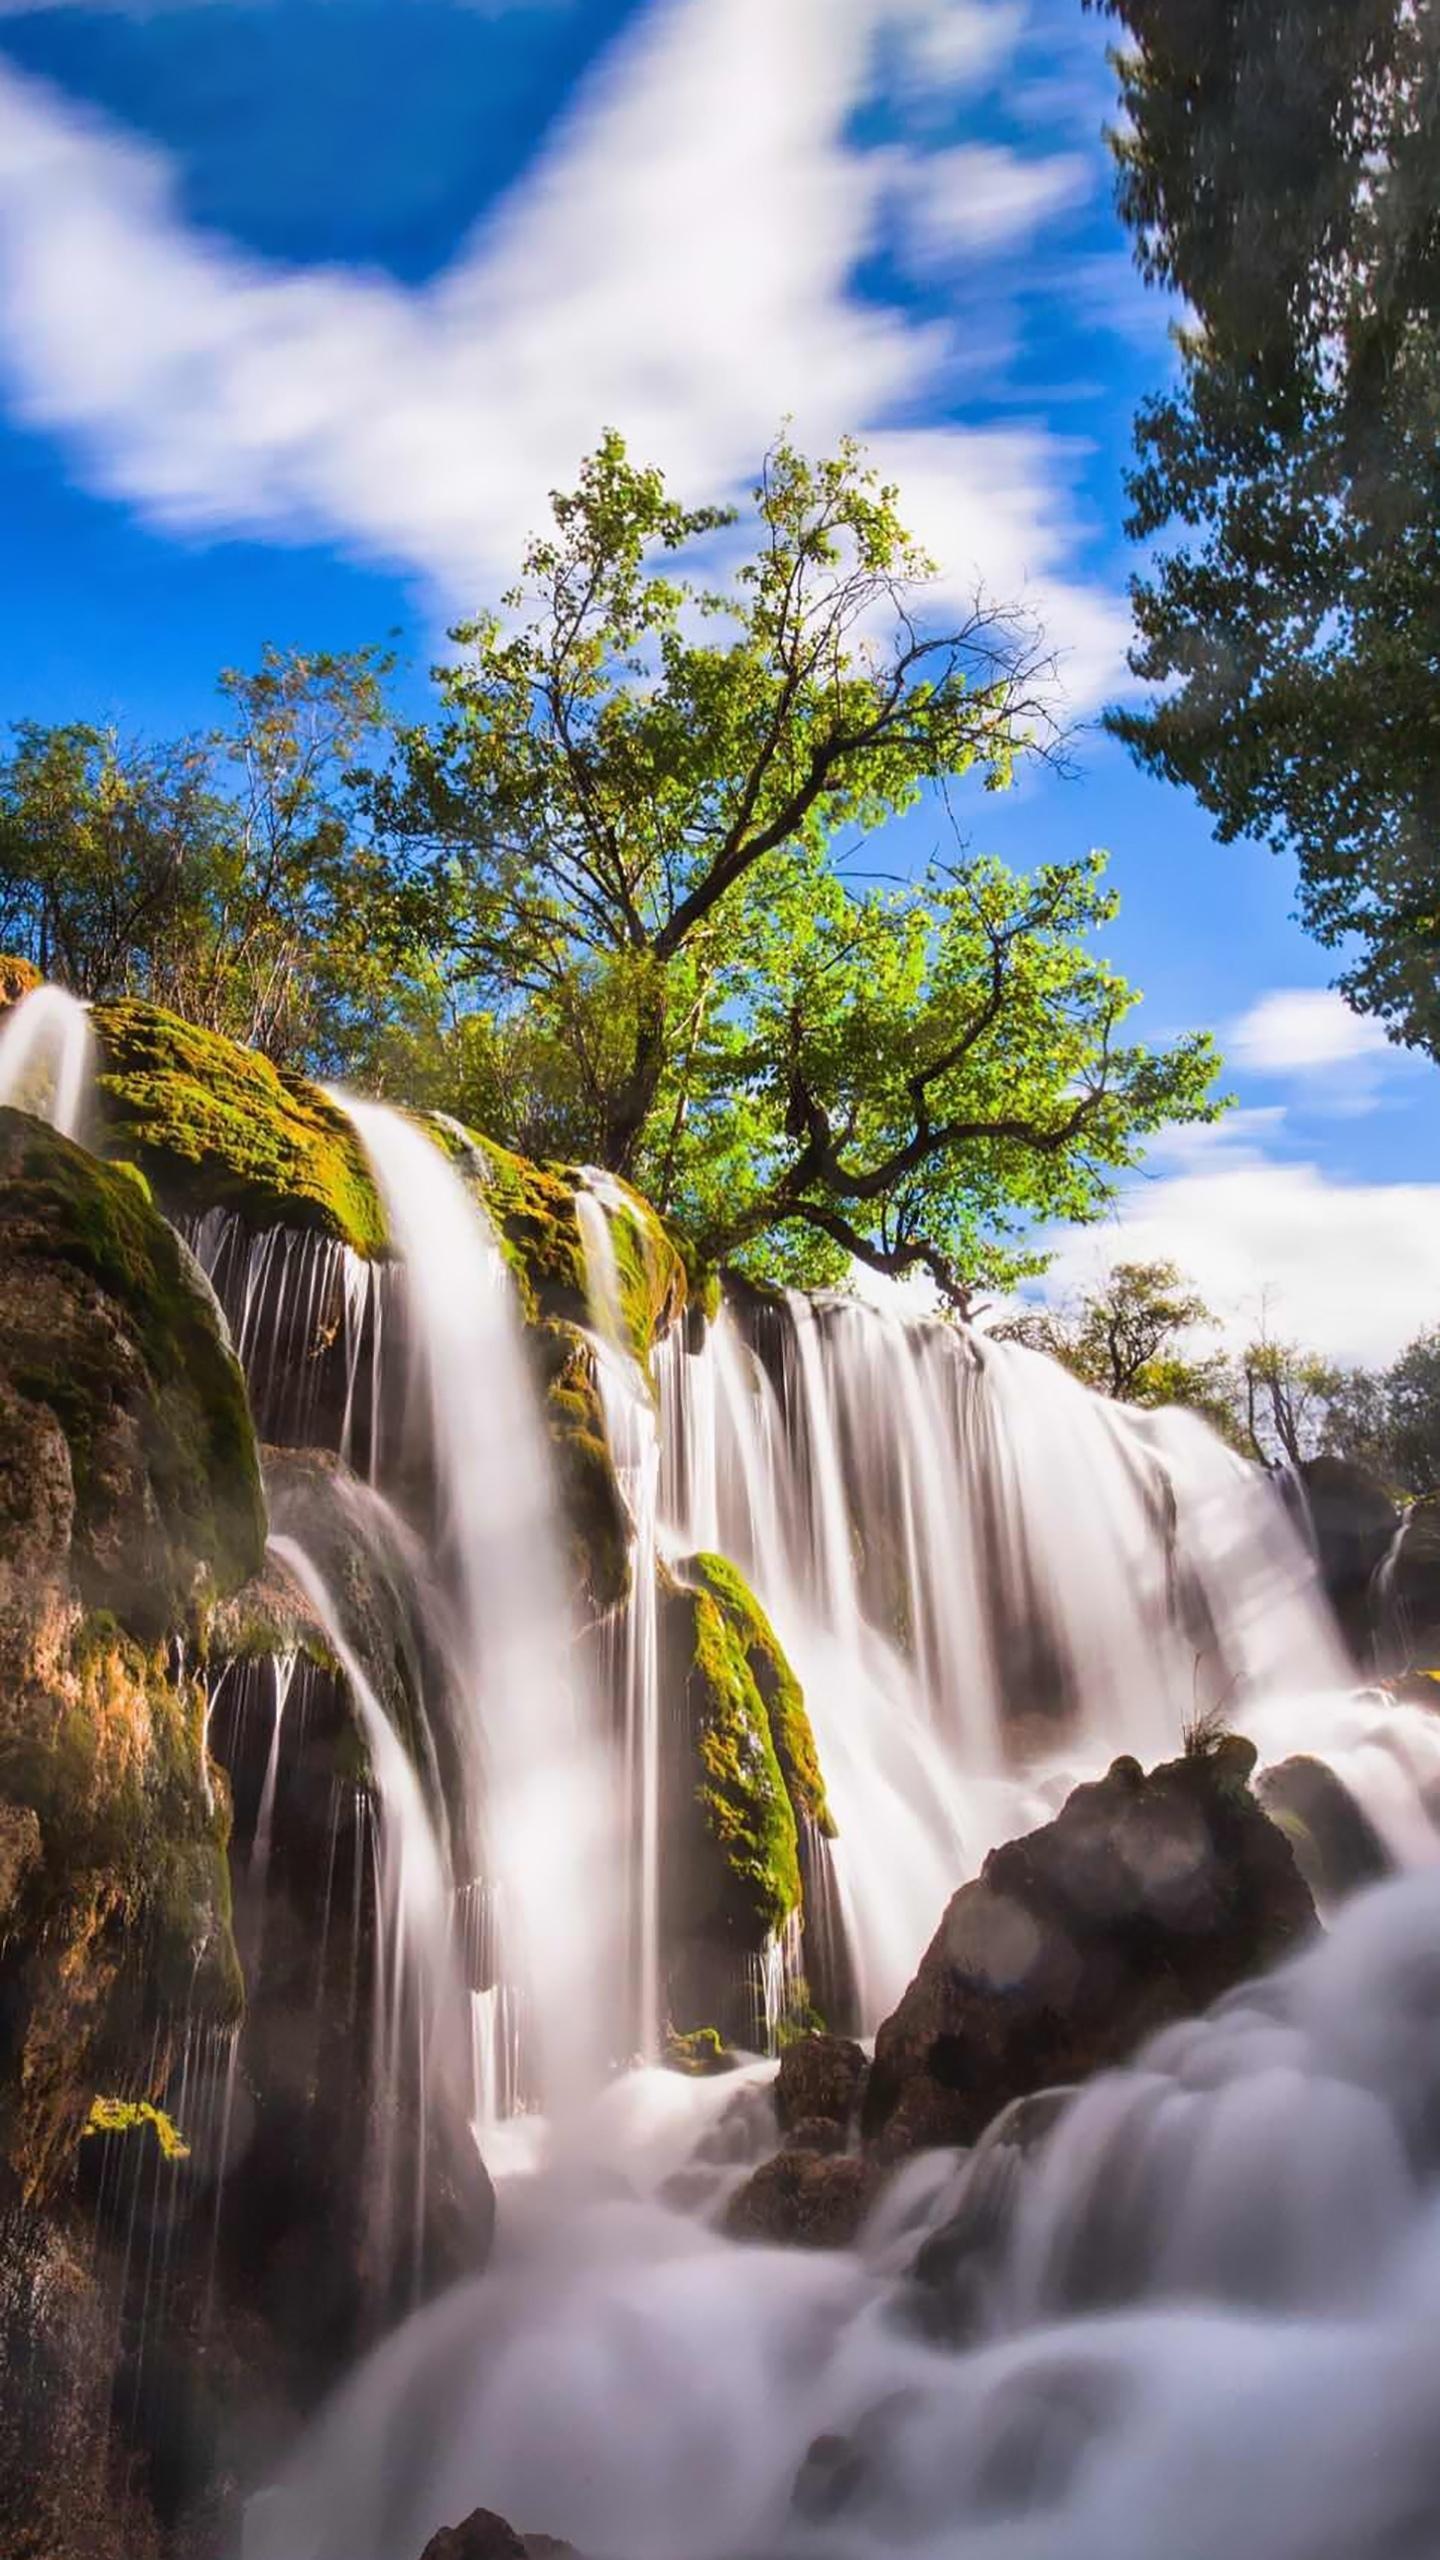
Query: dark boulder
(1143, 1901)
(808, 2199)
(820, 2082)
(1337, 1847)
(486, 2536)
(1351, 1521)
(482, 2536)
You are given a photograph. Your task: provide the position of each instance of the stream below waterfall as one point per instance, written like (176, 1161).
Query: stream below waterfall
(1205, 2322)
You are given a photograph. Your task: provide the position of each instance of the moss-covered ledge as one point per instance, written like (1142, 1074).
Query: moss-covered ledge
(216, 1126)
(780, 1691)
(129, 1506)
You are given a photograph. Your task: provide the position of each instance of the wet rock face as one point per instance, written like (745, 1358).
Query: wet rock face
(1411, 1605)
(129, 1502)
(1351, 1521)
(1142, 1902)
(1337, 1847)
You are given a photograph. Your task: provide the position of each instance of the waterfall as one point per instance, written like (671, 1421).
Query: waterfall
(634, 1647)
(307, 1318)
(534, 1781)
(988, 1579)
(47, 1051)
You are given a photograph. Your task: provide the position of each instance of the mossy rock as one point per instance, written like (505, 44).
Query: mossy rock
(129, 1505)
(18, 978)
(532, 1207)
(781, 1692)
(732, 1863)
(594, 1512)
(216, 1126)
(106, 1322)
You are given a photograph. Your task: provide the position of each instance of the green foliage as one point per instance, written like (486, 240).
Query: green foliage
(131, 2115)
(626, 822)
(735, 1855)
(224, 875)
(1281, 169)
(1132, 1337)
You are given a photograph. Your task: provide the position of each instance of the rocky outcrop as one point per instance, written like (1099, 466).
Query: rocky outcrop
(1410, 1597)
(1351, 1521)
(216, 1126)
(129, 1504)
(486, 2536)
(731, 1871)
(1143, 1901)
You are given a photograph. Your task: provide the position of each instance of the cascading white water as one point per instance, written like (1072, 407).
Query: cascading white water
(1199, 2317)
(47, 1051)
(632, 1430)
(534, 1776)
(419, 1999)
(989, 1581)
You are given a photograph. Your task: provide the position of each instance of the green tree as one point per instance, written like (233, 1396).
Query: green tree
(1412, 1400)
(637, 820)
(104, 855)
(226, 874)
(1132, 1337)
(1280, 170)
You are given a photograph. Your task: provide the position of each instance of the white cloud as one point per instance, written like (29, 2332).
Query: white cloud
(981, 196)
(955, 45)
(1295, 1028)
(677, 262)
(1351, 1269)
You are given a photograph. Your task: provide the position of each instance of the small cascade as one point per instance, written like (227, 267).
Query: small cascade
(307, 1318)
(421, 2043)
(533, 1806)
(634, 1637)
(47, 1056)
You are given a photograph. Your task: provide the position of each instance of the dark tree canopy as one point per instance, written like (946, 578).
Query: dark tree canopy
(1280, 169)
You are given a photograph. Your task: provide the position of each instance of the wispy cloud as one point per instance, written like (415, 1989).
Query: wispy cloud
(678, 262)
(977, 197)
(1334, 1061)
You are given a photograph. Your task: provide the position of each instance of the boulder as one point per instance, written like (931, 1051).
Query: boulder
(482, 2536)
(820, 2081)
(806, 2199)
(486, 2536)
(1143, 1901)
(1337, 1847)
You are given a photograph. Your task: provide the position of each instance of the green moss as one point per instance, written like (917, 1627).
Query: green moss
(132, 2115)
(148, 1363)
(739, 1787)
(215, 1126)
(532, 1207)
(700, 2053)
(778, 1687)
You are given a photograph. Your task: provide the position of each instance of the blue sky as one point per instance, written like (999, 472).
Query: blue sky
(304, 304)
